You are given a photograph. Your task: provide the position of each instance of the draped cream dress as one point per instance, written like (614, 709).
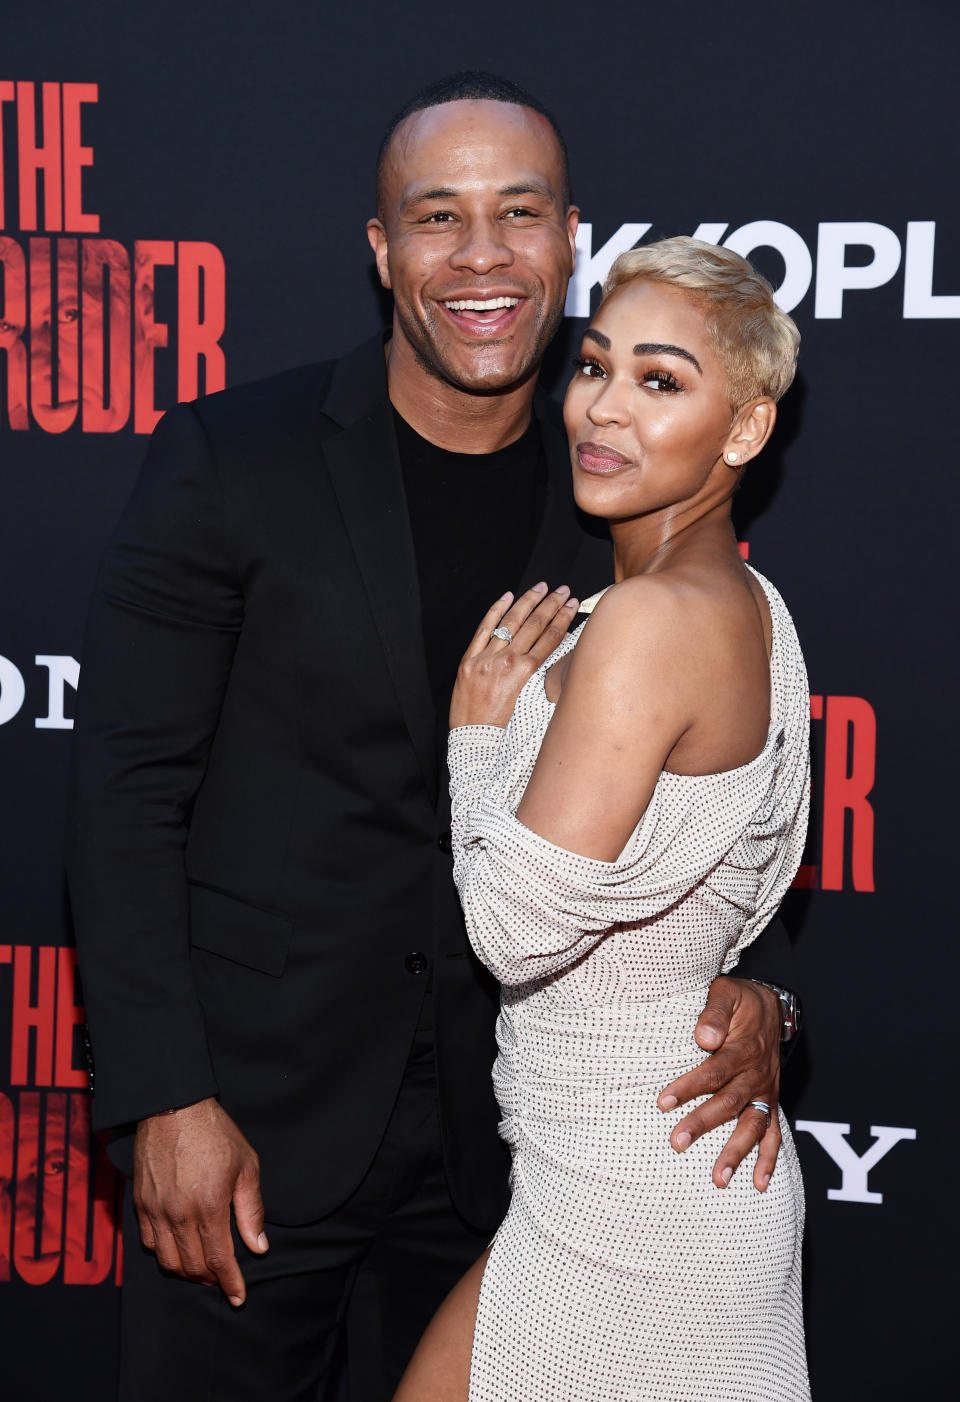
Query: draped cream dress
(621, 1271)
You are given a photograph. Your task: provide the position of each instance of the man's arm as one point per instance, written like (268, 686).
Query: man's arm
(741, 1027)
(163, 626)
(770, 957)
(159, 643)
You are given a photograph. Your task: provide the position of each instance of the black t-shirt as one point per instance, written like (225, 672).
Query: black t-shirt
(474, 518)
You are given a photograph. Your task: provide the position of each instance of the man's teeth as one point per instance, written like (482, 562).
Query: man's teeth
(474, 304)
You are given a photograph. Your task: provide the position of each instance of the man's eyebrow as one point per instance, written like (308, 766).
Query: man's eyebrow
(431, 192)
(656, 348)
(446, 192)
(528, 187)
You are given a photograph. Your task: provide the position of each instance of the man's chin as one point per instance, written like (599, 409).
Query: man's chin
(496, 367)
(490, 377)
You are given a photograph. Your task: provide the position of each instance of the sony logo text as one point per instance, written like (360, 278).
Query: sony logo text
(834, 275)
(853, 1167)
(62, 672)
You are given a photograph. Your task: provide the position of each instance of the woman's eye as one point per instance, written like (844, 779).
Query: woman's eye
(590, 368)
(660, 380)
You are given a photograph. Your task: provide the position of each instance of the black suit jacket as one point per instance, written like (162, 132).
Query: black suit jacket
(258, 843)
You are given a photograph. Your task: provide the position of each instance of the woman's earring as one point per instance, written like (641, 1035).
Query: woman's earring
(731, 459)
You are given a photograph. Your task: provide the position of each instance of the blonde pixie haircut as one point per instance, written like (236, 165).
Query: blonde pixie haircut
(756, 342)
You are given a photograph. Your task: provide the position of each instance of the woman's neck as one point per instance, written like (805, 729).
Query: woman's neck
(651, 543)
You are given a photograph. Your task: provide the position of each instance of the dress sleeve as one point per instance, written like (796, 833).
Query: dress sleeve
(531, 907)
(775, 840)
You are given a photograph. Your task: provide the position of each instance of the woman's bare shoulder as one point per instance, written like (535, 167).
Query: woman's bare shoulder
(676, 633)
(631, 644)
(671, 607)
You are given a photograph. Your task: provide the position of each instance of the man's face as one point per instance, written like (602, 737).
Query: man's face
(475, 240)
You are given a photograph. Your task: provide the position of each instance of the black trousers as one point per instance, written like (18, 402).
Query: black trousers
(183, 1341)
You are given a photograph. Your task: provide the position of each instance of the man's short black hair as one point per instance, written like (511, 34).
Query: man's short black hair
(470, 86)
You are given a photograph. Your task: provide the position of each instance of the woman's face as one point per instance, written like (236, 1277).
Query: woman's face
(646, 412)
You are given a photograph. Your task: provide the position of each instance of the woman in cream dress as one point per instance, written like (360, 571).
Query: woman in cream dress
(630, 804)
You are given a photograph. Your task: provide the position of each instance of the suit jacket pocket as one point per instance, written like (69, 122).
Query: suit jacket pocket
(224, 925)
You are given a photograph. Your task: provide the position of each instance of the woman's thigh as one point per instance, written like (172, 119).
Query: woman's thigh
(439, 1370)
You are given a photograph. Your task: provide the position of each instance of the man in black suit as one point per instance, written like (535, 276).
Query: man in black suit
(278, 983)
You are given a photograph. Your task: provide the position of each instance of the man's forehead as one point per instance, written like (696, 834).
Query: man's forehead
(470, 138)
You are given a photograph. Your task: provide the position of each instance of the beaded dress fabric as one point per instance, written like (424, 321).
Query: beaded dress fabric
(620, 1271)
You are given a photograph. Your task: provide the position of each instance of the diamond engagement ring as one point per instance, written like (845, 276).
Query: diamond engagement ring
(763, 1107)
(503, 633)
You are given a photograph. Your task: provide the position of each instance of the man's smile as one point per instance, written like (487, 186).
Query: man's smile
(484, 316)
(475, 304)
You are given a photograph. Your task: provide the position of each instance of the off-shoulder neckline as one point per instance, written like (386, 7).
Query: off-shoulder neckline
(775, 733)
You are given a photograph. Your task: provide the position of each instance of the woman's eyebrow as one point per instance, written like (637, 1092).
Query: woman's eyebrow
(656, 348)
(644, 348)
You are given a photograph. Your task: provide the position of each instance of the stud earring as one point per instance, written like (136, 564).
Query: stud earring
(731, 458)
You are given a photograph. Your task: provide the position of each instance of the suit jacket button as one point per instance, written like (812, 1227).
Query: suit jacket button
(445, 843)
(415, 963)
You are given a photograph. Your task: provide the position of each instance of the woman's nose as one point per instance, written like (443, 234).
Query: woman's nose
(609, 405)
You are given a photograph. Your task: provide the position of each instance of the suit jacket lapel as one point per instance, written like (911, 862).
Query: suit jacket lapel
(365, 471)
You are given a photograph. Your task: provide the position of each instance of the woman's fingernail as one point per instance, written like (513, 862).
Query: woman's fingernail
(764, 1182)
(667, 1102)
(683, 1140)
(726, 1174)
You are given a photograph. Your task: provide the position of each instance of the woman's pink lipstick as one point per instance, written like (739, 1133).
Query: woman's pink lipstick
(598, 458)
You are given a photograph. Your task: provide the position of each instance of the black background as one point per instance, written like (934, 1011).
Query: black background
(254, 127)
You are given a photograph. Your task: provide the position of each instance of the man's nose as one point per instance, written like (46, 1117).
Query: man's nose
(482, 247)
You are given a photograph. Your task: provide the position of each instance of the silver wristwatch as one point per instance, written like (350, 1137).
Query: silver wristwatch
(790, 1011)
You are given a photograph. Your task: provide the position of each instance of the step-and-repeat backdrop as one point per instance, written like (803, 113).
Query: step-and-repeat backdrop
(182, 204)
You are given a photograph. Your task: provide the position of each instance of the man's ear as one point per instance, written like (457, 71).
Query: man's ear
(573, 222)
(377, 236)
(749, 432)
